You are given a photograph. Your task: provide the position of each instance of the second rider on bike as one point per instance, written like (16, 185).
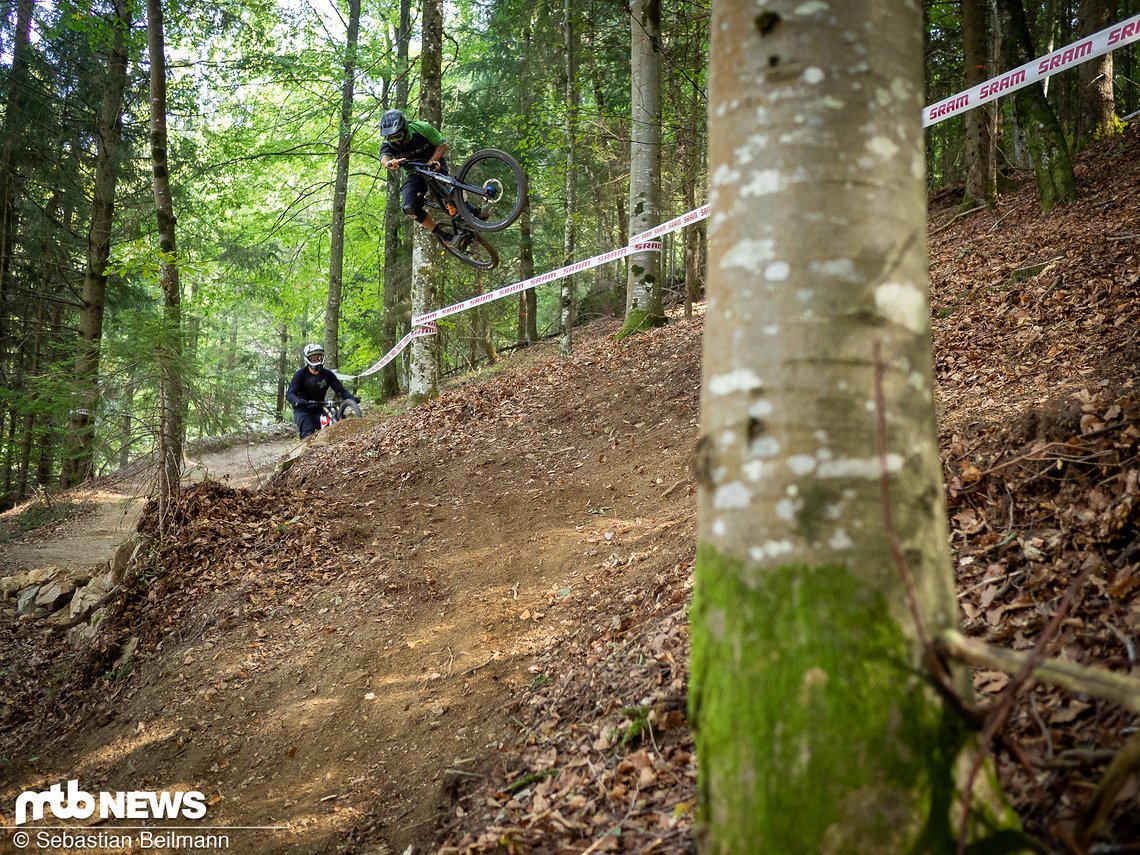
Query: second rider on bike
(406, 141)
(308, 388)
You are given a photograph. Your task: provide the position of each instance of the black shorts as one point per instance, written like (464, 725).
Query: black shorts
(307, 421)
(412, 193)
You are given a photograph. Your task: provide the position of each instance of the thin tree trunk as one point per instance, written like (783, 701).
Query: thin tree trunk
(1095, 95)
(78, 461)
(643, 305)
(340, 190)
(528, 301)
(527, 331)
(397, 254)
(981, 141)
(1052, 164)
(282, 370)
(424, 380)
(566, 295)
(6, 498)
(10, 148)
(126, 425)
(170, 359)
(1050, 39)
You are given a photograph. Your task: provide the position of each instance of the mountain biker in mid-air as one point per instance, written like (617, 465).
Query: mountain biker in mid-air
(406, 141)
(308, 387)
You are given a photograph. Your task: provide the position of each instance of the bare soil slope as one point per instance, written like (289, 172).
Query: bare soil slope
(463, 628)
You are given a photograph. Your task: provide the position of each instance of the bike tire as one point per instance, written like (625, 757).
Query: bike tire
(491, 166)
(348, 410)
(479, 254)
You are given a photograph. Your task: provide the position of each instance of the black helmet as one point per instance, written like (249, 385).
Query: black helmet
(393, 125)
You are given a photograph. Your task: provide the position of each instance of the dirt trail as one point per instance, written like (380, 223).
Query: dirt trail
(347, 697)
(118, 501)
(433, 634)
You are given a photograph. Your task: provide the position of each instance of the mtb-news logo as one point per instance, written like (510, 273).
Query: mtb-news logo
(136, 804)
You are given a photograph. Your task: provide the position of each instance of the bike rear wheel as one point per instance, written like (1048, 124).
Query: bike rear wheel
(504, 190)
(472, 249)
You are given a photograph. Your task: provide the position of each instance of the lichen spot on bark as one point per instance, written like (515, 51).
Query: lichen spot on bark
(813, 76)
(882, 147)
(739, 380)
(904, 304)
(732, 496)
(777, 271)
(814, 7)
(748, 254)
(763, 183)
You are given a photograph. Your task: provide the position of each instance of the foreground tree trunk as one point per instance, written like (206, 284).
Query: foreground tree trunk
(1048, 150)
(171, 393)
(77, 464)
(817, 727)
(643, 302)
(424, 380)
(340, 190)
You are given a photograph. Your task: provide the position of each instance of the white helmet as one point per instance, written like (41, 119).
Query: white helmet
(309, 351)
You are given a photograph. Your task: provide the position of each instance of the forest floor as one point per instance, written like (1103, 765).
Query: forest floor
(463, 628)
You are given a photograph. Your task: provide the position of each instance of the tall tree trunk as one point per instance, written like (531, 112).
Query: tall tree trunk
(77, 465)
(16, 96)
(981, 127)
(608, 275)
(397, 255)
(527, 331)
(1050, 40)
(6, 495)
(643, 303)
(283, 376)
(528, 300)
(340, 190)
(126, 424)
(692, 159)
(46, 444)
(817, 730)
(1096, 109)
(1052, 164)
(171, 392)
(566, 293)
(424, 380)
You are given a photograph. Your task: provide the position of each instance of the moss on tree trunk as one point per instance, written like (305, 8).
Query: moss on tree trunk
(839, 745)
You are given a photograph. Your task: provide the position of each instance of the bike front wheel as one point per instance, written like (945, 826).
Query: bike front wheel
(348, 410)
(472, 249)
(503, 190)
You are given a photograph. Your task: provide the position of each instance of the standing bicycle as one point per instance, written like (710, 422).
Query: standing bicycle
(486, 195)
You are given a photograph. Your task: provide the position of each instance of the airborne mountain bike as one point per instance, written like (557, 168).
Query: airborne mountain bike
(486, 194)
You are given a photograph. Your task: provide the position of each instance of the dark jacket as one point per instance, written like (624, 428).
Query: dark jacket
(306, 386)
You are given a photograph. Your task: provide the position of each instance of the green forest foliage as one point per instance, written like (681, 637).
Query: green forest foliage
(253, 118)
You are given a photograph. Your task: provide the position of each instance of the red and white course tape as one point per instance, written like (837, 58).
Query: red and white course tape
(1095, 45)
